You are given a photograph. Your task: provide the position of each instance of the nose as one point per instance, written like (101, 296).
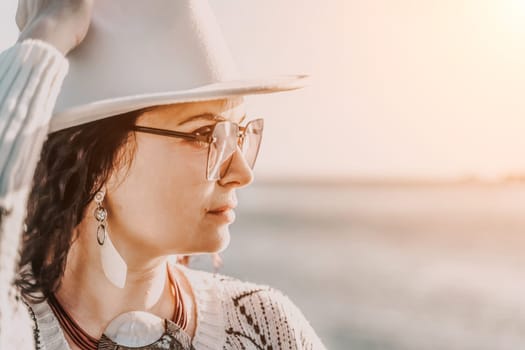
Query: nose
(236, 172)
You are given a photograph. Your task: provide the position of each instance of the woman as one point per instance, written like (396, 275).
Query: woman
(144, 154)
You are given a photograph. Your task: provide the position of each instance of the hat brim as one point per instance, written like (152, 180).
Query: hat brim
(90, 112)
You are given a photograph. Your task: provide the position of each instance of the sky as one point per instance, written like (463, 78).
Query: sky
(399, 88)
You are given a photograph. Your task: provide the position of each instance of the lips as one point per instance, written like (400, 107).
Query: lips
(222, 208)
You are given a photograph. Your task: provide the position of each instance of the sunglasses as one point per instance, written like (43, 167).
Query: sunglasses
(222, 139)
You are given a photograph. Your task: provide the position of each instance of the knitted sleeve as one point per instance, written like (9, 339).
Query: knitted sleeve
(31, 74)
(305, 335)
(262, 317)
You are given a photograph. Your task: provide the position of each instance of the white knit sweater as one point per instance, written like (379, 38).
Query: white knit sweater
(231, 314)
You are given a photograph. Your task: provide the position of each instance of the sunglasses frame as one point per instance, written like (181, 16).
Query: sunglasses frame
(203, 137)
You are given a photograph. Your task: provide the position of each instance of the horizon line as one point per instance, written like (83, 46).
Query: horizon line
(390, 180)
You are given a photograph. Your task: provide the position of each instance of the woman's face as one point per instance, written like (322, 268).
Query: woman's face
(162, 204)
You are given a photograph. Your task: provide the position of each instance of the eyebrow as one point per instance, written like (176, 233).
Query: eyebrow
(208, 116)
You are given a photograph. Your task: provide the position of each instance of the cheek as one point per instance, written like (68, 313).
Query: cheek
(165, 188)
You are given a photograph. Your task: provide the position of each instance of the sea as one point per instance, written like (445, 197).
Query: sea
(398, 266)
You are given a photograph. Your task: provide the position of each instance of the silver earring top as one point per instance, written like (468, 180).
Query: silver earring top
(99, 197)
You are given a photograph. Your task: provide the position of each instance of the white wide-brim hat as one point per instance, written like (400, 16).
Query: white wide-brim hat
(141, 53)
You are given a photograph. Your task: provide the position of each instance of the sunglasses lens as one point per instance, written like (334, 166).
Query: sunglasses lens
(222, 147)
(252, 141)
(225, 140)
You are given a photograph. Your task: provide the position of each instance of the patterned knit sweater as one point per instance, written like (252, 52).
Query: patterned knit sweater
(231, 314)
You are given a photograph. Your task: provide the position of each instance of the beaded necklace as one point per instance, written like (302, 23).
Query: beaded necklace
(87, 342)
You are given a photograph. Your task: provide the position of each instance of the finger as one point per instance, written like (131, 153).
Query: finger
(21, 14)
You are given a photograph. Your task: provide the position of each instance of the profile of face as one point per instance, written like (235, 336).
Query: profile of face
(163, 202)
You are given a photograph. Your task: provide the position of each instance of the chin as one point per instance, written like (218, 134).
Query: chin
(221, 242)
(210, 242)
(225, 244)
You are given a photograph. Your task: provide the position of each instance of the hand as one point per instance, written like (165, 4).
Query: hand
(62, 23)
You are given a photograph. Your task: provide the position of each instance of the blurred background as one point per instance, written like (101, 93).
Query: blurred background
(389, 198)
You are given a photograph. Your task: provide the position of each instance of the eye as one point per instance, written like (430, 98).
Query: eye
(202, 131)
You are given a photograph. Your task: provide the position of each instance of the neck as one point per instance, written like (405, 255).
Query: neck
(93, 301)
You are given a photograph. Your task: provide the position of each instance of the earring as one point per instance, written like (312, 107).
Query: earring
(101, 215)
(113, 265)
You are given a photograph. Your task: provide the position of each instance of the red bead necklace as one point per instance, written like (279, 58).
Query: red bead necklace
(86, 342)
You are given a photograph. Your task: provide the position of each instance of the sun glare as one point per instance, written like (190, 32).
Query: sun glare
(514, 14)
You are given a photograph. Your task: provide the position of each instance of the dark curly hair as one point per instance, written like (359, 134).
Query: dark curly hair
(74, 164)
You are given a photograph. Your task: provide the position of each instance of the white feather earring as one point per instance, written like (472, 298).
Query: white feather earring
(113, 264)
